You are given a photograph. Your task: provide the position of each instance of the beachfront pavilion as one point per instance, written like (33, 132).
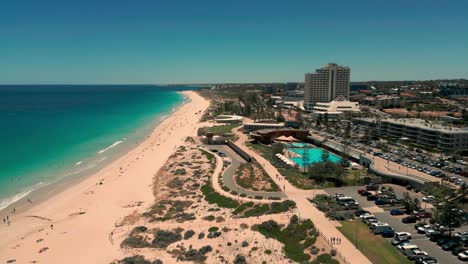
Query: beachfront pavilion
(267, 136)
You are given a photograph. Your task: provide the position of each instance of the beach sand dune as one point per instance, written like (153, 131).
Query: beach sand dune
(75, 225)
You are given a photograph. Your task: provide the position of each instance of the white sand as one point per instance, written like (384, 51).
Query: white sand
(84, 215)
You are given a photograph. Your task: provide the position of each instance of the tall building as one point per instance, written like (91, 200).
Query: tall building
(326, 84)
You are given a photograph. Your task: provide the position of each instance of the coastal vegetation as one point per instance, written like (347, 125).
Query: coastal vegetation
(141, 237)
(137, 259)
(223, 129)
(252, 176)
(297, 236)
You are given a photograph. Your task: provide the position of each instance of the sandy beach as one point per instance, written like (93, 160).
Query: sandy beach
(76, 224)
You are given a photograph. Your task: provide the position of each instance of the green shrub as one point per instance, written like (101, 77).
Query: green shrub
(188, 234)
(213, 197)
(164, 238)
(209, 218)
(327, 259)
(240, 260)
(213, 229)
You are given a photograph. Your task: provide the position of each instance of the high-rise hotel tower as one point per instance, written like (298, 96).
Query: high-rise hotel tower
(326, 84)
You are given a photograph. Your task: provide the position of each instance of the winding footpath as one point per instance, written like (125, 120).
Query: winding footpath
(305, 209)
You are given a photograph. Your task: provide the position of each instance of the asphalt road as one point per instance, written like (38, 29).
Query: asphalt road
(421, 240)
(228, 175)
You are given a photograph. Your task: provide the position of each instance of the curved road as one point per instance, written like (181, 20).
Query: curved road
(228, 175)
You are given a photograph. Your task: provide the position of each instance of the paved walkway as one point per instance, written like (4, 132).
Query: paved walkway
(305, 209)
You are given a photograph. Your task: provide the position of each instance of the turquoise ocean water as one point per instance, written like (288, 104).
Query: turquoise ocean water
(49, 133)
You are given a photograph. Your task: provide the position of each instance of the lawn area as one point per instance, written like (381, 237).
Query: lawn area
(223, 129)
(376, 248)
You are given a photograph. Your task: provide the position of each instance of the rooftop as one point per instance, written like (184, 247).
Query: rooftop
(423, 124)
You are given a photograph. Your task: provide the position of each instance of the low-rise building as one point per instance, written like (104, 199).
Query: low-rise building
(267, 136)
(335, 108)
(249, 127)
(421, 132)
(382, 101)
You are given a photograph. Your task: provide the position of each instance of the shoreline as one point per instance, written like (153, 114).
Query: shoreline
(46, 190)
(83, 213)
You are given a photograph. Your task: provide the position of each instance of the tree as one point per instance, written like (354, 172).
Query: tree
(325, 119)
(318, 121)
(280, 118)
(305, 159)
(277, 148)
(325, 156)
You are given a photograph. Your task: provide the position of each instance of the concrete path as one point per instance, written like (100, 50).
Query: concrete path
(305, 209)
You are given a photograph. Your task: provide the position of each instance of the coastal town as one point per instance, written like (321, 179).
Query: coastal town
(324, 171)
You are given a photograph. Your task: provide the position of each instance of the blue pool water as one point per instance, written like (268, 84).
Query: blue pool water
(314, 155)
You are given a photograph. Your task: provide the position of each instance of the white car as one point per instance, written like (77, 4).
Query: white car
(429, 231)
(428, 199)
(463, 255)
(402, 235)
(461, 234)
(422, 229)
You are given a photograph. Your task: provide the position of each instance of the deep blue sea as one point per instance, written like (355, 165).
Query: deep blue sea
(51, 132)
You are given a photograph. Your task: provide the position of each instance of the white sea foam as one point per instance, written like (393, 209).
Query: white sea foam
(78, 163)
(6, 202)
(111, 146)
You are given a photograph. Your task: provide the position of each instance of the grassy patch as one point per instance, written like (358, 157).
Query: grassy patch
(374, 247)
(223, 129)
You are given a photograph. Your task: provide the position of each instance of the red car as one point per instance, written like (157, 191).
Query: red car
(424, 215)
(360, 191)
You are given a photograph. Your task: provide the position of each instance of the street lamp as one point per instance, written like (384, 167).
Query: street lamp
(450, 223)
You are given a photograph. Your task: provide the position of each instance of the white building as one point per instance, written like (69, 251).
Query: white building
(326, 84)
(336, 107)
(249, 127)
(421, 132)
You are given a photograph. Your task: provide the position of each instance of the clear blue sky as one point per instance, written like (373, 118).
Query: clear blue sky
(203, 41)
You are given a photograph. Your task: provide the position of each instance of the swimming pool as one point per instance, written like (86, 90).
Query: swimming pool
(314, 155)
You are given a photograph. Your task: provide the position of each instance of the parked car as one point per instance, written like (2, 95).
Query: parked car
(380, 202)
(457, 250)
(372, 198)
(422, 229)
(397, 243)
(409, 219)
(424, 214)
(463, 255)
(443, 240)
(396, 212)
(413, 254)
(416, 226)
(428, 198)
(425, 260)
(402, 236)
(388, 233)
(436, 235)
(360, 191)
(450, 245)
(361, 212)
(461, 234)
(365, 193)
(372, 187)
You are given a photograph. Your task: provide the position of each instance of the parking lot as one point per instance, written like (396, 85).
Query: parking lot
(421, 240)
